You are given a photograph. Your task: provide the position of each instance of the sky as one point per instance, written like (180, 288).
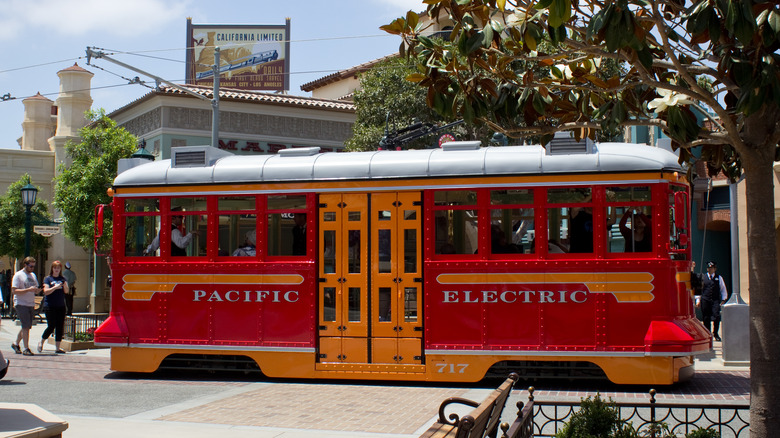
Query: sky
(41, 37)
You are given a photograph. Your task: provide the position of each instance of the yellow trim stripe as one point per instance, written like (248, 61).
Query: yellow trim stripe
(141, 287)
(626, 287)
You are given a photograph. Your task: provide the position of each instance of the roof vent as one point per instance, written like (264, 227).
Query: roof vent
(196, 156)
(564, 144)
(299, 152)
(461, 145)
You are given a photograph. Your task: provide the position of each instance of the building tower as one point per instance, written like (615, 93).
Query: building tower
(73, 101)
(37, 125)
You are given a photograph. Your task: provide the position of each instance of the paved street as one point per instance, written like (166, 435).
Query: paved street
(80, 388)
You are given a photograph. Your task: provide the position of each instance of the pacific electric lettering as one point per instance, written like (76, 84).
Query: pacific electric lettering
(511, 296)
(248, 296)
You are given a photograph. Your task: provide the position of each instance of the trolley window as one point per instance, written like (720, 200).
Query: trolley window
(193, 226)
(630, 212)
(237, 229)
(679, 222)
(511, 219)
(288, 222)
(142, 224)
(570, 220)
(456, 221)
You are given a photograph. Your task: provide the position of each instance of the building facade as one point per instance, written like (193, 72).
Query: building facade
(250, 122)
(47, 126)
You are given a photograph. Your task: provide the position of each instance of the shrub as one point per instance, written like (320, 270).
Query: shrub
(703, 433)
(597, 418)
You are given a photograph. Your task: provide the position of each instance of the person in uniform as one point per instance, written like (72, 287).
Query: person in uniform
(179, 240)
(713, 295)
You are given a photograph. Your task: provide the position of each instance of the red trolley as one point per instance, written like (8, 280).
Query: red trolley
(429, 265)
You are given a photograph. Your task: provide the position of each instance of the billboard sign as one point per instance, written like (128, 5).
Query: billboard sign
(252, 57)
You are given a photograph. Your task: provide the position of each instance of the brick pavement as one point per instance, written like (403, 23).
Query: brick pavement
(343, 407)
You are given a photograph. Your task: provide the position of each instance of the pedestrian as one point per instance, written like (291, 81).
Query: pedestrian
(70, 276)
(55, 288)
(4, 294)
(7, 288)
(24, 287)
(713, 295)
(4, 363)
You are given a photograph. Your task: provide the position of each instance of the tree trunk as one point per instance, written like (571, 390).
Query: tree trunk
(763, 286)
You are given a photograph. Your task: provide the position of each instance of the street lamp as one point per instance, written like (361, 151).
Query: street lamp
(29, 193)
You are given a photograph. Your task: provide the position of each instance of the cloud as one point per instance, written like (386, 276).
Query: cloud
(80, 17)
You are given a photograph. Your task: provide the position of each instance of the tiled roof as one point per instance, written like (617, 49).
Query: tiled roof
(75, 67)
(248, 96)
(38, 96)
(344, 74)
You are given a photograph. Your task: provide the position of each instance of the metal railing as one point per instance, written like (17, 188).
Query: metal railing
(729, 420)
(80, 327)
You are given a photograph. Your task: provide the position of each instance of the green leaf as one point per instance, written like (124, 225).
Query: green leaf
(557, 34)
(468, 113)
(538, 103)
(487, 37)
(412, 19)
(463, 43)
(473, 43)
(742, 72)
(559, 12)
(416, 77)
(645, 57)
(556, 72)
(543, 4)
(714, 26)
(598, 22)
(425, 41)
(773, 20)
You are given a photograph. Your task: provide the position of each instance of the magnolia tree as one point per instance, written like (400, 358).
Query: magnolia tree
(83, 183)
(714, 57)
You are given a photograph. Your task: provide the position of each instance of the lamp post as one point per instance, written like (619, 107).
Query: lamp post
(29, 193)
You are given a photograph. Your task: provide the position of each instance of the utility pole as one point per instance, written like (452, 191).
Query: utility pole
(214, 101)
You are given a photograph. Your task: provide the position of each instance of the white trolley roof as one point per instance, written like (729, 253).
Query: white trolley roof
(207, 165)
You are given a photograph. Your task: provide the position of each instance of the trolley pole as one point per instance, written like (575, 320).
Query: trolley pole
(215, 102)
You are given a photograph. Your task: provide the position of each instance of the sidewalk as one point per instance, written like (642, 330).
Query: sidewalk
(293, 409)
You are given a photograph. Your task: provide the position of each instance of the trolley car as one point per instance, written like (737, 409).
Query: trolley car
(446, 264)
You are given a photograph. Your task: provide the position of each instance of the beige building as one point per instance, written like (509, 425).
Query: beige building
(47, 127)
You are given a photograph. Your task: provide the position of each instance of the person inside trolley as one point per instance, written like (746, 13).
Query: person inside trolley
(179, 239)
(637, 236)
(713, 295)
(249, 249)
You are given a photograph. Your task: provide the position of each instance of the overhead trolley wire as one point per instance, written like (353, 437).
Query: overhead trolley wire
(144, 54)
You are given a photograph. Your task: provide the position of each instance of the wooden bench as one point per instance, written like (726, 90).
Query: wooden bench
(38, 309)
(523, 426)
(479, 423)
